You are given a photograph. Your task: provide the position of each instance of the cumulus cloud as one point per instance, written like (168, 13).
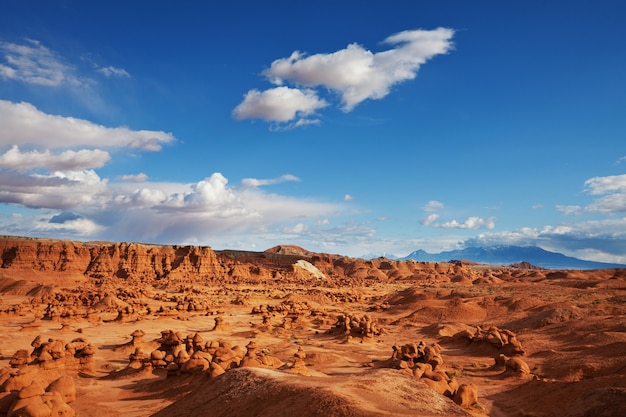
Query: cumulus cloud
(64, 161)
(110, 72)
(40, 172)
(280, 104)
(55, 178)
(355, 74)
(33, 63)
(473, 223)
(58, 190)
(205, 211)
(23, 124)
(348, 197)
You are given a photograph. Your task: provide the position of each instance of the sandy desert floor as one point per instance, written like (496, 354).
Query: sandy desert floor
(567, 336)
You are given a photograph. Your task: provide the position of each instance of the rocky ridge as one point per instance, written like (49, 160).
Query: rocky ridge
(29, 257)
(383, 332)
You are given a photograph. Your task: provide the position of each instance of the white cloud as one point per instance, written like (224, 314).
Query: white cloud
(23, 124)
(33, 63)
(604, 185)
(296, 230)
(348, 197)
(58, 190)
(141, 177)
(281, 104)
(428, 220)
(354, 73)
(606, 239)
(74, 227)
(613, 203)
(569, 209)
(64, 161)
(613, 191)
(114, 72)
(433, 206)
(253, 182)
(358, 74)
(473, 222)
(207, 211)
(345, 235)
(610, 192)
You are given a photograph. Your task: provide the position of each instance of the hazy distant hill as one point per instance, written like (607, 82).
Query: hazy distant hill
(506, 255)
(380, 255)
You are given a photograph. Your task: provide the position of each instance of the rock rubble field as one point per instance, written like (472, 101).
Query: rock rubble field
(126, 329)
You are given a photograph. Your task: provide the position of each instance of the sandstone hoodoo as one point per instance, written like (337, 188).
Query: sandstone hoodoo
(103, 328)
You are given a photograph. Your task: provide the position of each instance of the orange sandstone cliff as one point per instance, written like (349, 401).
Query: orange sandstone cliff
(32, 259)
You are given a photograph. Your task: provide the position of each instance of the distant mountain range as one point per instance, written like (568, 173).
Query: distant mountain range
(374, 255)
(507, 255)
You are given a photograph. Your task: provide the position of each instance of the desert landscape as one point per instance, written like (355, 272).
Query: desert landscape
(128, 329)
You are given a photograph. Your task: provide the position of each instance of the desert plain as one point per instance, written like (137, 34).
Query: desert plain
(127, 329)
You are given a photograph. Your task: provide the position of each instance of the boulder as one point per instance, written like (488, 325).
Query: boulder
(466, 395)
(65, 387)
(32, 390)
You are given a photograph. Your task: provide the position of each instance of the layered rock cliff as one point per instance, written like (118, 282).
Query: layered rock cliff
(107, 260)
(29, 257)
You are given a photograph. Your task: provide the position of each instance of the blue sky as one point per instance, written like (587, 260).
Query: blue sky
(349, 127)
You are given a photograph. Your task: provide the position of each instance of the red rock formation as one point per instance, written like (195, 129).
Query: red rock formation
(107, 260)
(38, 260)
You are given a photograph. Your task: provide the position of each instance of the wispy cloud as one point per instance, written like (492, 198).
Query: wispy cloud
(141, 177)
(355, 74)
(433, 206)
(254, 182)
(113, 72)
(33, 63)
(428, 220)
(569, 209)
